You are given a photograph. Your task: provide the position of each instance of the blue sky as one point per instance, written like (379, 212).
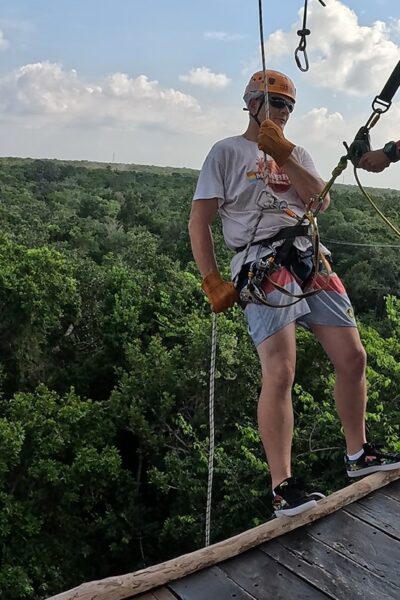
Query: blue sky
(158, 82)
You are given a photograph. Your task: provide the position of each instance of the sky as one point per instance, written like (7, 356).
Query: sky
(159, 82)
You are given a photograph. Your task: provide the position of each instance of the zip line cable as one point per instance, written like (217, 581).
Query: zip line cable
(377, 245)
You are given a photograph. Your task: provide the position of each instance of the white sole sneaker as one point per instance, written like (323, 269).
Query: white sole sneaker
(296, 510)
(376, 468)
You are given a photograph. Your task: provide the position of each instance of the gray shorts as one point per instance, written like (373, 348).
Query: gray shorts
(330, 307)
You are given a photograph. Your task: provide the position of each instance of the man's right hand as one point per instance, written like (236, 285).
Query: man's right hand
(221, 294)
(272, 141)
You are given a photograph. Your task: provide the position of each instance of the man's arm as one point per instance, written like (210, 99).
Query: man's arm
(272, 141)
(221, 294)
(306, 184)
(201, 217)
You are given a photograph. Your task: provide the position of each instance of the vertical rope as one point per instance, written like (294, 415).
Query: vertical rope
(214, 327)
(212, 429)
(263, 61)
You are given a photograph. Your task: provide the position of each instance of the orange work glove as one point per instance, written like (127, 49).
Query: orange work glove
(272, 141)
(221, 294)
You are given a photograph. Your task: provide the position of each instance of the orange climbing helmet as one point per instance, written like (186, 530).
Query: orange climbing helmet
(277, 83)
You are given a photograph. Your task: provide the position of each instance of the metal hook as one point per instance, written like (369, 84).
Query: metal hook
(303, 40)
(298, 61)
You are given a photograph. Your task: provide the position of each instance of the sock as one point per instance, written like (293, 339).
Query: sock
(356, 455)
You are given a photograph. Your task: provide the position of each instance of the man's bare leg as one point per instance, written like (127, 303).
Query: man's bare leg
(275, 411)
(344, 348)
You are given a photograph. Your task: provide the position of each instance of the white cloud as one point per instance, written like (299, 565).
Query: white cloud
(223, 36)
(42, 89)
(204, 77)
(343, 54)
(321, 132)
(47, 93)
(4, 43)
(394, 24)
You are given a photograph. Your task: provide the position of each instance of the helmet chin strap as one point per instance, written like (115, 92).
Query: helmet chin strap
(255, 116)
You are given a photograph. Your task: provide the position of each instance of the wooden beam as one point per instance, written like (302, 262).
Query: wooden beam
(133, 584)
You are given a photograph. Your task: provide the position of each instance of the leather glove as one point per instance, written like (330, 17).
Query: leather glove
(221, 294)
(272, 141)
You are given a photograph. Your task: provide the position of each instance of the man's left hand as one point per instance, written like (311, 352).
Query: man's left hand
(374, 161)
(272, 141)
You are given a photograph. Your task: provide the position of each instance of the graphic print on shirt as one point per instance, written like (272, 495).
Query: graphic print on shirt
(272, 175)
(275, 180)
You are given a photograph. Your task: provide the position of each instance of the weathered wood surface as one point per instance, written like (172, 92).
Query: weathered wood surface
(263, 577)
(157, 594)
(380, 511)
(394, 491)
(210, 584)
(362, 543)
(323, 566)
(163, 594)
(133, 584)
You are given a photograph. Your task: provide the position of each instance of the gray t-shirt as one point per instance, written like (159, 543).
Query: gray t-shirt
(251, 190)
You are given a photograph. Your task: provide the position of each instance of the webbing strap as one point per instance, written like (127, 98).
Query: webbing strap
(383, 101)
(283, 234)
(391, 86)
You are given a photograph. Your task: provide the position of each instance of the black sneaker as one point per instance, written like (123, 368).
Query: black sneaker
(372, 460)
(290, 499)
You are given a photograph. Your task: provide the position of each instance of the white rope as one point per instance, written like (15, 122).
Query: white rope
(214, 323)
(211, 426)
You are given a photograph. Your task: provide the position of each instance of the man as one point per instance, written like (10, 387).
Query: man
(378, 160)
(256, 196)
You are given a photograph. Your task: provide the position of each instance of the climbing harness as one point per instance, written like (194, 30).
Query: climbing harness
(303, 33)
(303, 265)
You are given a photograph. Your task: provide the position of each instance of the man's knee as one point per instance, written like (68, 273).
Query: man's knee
(279, 373)
(354, 361)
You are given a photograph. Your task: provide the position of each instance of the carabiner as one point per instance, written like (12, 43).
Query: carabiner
(298, 62)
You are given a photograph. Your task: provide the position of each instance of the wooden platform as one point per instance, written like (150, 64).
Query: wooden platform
(346, 548)
(351, 554)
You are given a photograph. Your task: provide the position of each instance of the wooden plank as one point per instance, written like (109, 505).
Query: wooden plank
(361, 543)
(265, 579)
(157, 594)
(320, 565)
(380, 511)
(163, 594)
(393, 491)
(133, 584)
(212, 584)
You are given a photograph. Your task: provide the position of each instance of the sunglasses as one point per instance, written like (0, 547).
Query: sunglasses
(281, 103)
